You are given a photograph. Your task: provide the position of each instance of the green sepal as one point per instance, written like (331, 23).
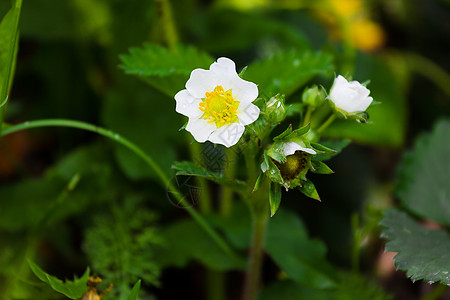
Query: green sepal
(135, 291)
(308, 189)
(183, 127)
(72, 289)
(265, 163)
(242, 72)
(274, 197)
(191, 169)
(321, 149)
(319, 167)
(284, 134)
(259, 182)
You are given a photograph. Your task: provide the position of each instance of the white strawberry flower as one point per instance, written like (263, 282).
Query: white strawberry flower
(349, 97)
(218, 103)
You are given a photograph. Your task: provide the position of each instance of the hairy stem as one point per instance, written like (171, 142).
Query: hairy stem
(166, 182)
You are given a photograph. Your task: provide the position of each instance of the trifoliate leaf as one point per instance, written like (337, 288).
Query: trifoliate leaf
(423, 177)
(73, 289)
(422, 253)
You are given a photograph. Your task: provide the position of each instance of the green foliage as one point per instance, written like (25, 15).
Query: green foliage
(121, 245)
(352, 287)
(9, 32)
(301, 258)
(422, 186)
(163, 69)
(134, 115)
(422, 179)
(422, 252)
(329, 148)
(191, 169)
(72, 289)
(185, 241)
(288, 71)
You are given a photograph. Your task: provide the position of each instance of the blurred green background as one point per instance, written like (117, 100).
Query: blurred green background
(68, 67)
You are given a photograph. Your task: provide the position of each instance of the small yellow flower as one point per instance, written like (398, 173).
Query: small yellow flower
(366, 35)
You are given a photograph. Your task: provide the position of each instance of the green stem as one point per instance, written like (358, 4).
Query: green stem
(138, 151)
(226, 201)
(205, 199)
(307, 117)
(430, 70)
(326, 123)
(436, 293)
(169, 27)
(252, 283)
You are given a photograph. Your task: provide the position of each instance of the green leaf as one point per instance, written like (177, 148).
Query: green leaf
(288, 71)
(301, 258)
(9, 32)
(164, 70)
(135, 291)
(274, 197)
(422, 252)
(351, 287)
(319, 167)
(423, 176)
(73, 289)
(191, 169)
(309, 189)
(186, 241)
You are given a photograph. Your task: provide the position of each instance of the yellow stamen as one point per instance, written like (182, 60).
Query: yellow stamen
(219, 107)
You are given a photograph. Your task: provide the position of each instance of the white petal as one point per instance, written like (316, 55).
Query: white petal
(247, 114)
(290, 148)
(227, 135)
(200, 129)
(201, 81)
(187, 105)
(224, 66)
(243, 91)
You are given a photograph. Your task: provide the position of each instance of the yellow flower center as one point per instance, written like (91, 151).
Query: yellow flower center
(219, 107)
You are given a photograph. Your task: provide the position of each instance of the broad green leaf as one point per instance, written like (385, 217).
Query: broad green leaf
(301, 258)
(423, 253)
(351, 287)
(9, 32)
(191, 169)
(135, 291)
(286, 72)
(73, 289)
(274, 197)
(186, 241)
(423, 176)
(164, 70)
(388, 120)
(309, 189)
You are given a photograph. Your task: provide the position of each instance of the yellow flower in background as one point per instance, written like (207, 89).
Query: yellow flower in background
(349, 20)
(344, 8)
(366, 35)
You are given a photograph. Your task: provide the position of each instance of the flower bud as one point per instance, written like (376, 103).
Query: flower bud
(349, 98)
(313, 96)
(275, 109)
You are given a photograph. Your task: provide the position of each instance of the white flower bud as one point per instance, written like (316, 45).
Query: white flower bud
(349, 97)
